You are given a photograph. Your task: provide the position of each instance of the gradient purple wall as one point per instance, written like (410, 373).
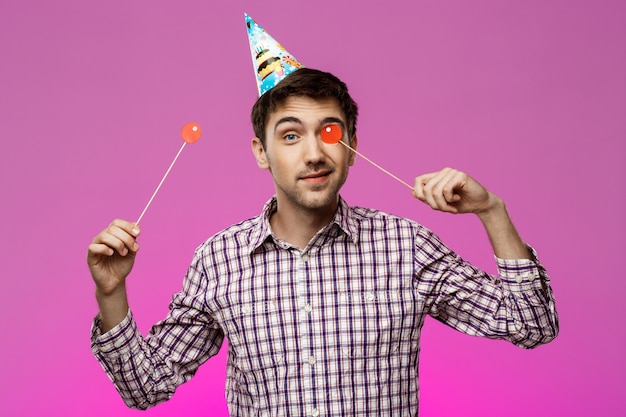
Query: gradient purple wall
(527, 96)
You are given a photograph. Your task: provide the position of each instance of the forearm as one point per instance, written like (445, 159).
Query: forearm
(130, 364)
(516, 305)
(147, 370)
(113, 307)
(506, 242)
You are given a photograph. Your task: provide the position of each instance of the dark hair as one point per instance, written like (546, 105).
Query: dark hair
(305, 82)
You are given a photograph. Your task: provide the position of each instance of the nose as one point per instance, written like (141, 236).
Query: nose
(313, 152)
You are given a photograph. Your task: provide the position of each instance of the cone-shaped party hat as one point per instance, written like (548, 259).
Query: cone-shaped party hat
(271, 61)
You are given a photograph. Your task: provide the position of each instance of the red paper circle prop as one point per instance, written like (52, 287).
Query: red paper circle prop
(191, 132)
(331, 134)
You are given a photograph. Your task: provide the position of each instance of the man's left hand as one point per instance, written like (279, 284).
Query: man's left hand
(453, 191)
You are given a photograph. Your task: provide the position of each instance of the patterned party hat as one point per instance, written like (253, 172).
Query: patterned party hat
(271, 61)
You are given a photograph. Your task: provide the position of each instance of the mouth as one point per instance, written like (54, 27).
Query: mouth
(316, 177)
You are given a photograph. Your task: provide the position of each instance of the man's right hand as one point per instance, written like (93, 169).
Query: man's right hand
(111, 255)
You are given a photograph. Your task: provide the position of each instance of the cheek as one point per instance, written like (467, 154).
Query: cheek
(276, 165)
(336, 153)
(347, 157)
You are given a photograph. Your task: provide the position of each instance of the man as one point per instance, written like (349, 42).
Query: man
(322, 304)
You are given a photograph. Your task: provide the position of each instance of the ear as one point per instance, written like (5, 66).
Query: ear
(353, 143)
(259, 153)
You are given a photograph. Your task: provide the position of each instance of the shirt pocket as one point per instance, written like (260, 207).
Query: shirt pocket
(255, 334)
(370, 323)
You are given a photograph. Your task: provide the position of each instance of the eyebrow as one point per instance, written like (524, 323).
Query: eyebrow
(288, 119)
(324, 122)
(334, 120)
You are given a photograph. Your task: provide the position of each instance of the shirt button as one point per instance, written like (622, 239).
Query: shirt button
(312, 360)
(315, 412)
(370, 296)
(308, 308)
(518, 278)
(531, 277)
(305, 258)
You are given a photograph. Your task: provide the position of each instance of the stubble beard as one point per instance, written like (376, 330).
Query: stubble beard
(316, 196)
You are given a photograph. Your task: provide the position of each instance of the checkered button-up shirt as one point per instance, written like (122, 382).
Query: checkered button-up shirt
(330, 330)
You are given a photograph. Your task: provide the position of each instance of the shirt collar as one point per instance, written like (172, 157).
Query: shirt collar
(347, 222)
(344, 219)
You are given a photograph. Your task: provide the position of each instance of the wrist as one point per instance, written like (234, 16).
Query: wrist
(115, 302)
(494, 208)
(111, 292)
(506, 242)
(113, 307)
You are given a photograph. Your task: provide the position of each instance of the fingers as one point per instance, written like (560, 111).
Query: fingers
(440, 190)
(119, 237)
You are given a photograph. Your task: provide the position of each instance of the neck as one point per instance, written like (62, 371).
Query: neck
(298, 226)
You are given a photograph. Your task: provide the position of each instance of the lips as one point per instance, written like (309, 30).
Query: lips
(318, 176)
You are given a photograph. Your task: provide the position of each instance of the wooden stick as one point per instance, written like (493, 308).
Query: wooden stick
(376, 165)
(161, 183)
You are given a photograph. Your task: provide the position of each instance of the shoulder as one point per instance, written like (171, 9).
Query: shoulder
(379, 224)
(237, 237)
(220, 256)
(369, 218)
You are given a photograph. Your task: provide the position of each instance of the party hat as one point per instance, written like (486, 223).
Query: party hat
(271, 61)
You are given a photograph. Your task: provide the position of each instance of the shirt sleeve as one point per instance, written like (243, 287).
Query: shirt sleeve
(147, 371)
(516, 305)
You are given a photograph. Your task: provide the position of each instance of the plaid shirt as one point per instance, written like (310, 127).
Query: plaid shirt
(331, 330)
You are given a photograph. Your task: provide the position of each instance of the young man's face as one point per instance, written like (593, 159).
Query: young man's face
(307, 172)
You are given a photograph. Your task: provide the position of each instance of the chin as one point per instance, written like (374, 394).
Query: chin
(318, 202)
(314, 200)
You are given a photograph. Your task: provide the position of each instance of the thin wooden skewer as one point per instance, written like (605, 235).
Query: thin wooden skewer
(376, 165)
(161, 183)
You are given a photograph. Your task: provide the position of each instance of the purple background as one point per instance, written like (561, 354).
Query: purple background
(528, 97)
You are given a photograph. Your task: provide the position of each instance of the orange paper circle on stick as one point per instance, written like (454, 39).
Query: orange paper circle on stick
(331, 134)
(191, 132)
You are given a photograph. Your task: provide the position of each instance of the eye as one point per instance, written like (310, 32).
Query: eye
(290, 137)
